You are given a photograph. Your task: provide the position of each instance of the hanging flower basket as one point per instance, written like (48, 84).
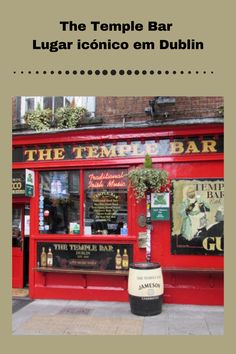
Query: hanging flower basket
(147, 179)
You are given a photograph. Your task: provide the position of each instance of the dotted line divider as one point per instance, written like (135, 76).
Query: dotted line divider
(113, 72)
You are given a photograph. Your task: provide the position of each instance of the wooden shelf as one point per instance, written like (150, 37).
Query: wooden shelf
(124, 272)
(200, 270)
(82, 271)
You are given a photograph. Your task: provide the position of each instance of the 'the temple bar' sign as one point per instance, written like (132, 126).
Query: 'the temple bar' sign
(163, 147)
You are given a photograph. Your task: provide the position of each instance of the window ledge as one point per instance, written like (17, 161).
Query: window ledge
(87, 238)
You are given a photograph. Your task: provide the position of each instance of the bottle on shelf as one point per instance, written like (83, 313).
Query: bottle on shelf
(118, 260)
(125, 260)
(43, 258)
(124, 230)
(49, 258)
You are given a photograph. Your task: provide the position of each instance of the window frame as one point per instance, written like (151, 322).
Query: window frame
(82, 203)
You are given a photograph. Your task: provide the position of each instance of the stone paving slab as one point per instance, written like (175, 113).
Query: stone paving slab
(62, 317)
(80, 325)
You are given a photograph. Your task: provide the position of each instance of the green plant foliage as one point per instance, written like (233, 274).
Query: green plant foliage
(40, 119)
(148, 161)
(220, 111)
(144, 179)
(69, 117)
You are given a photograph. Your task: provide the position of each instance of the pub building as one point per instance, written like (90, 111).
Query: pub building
(76, 225)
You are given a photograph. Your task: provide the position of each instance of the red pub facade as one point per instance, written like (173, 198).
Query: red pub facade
(77, 225)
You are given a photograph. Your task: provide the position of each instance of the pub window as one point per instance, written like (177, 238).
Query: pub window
(59, 202)
(105, 202)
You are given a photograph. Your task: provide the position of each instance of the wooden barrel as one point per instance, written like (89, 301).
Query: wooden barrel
(145, 288)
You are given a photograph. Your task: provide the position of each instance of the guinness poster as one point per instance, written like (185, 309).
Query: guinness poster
(197, 216)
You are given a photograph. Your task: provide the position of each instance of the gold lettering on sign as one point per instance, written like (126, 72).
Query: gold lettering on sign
(30, 154)
(192, 147)
(44, 154)
(209, 146)
(176, 147)
(78, 152)
(212, 243)
(59, 153)
(108, 152)
(92, 151)
(151, 149)
(137, 150)
(124, 149)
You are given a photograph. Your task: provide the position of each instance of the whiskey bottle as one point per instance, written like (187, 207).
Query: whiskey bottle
(43, 258)
(49, 258)
(125, 260)
(118, 260)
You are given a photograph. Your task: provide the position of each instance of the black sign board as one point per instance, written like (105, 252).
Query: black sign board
(162, 147)
(90, 256)
(18, 182)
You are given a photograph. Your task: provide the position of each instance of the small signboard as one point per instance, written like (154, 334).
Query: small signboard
(23, 183)
(160, 206)
(18, 182)
(29, 183)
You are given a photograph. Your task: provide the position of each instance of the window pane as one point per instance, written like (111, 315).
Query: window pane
(59, 202)
(105, 201)
(58, 102)
(29, 104)
(70, 101)
(47, 102)
(18, 109)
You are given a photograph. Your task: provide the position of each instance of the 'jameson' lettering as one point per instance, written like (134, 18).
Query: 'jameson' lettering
(149, 286)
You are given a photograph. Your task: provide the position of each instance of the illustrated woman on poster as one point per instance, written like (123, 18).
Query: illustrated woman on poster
(193, 212)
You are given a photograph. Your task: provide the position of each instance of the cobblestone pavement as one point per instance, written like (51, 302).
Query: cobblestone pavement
(60, 317)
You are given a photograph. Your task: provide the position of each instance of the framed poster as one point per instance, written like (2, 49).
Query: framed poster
(197, 216)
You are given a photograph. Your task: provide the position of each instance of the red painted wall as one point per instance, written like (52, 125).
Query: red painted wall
(180, 287)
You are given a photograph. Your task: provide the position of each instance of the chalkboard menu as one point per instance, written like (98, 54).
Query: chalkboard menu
(105, 205)
(105, 256)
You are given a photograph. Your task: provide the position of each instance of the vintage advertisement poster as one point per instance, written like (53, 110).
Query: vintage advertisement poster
(197, 216)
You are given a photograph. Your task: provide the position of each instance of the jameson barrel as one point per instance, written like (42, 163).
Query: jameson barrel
(145, 288)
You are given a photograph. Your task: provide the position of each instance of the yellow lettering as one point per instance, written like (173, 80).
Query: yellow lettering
(209, 146)
(176, 147)
(30, 154)
(78, 152)
(218, 243)
(106, 152)
(207, 245)
(45, 154)
(124, 150)
(137, 149)
(59, 153)
(92, 151)
(192, 147)
(151, 149)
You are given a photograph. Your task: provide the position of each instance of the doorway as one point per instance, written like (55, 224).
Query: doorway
(20, 245)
